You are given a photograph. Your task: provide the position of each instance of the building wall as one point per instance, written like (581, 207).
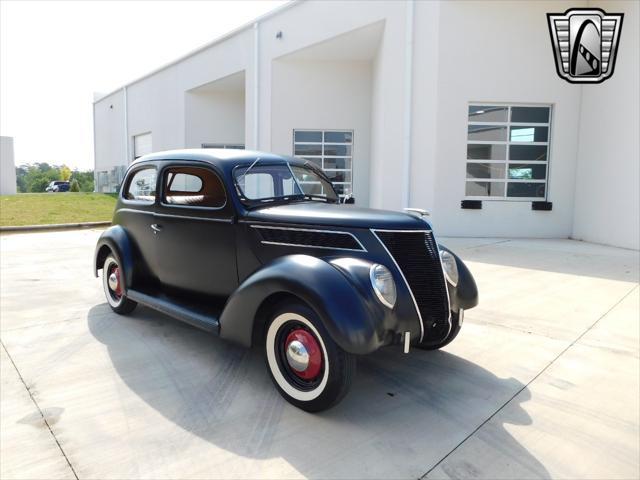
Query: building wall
(324, 95)
(157, 103)
(608, 174)
(481, 66)
(7, 167)
(110, 148)
(215, 117)
(503, 55)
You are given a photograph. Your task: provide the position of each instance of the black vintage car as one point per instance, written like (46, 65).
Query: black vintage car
(259, 249)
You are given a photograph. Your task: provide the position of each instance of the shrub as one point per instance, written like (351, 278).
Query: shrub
(75, 186)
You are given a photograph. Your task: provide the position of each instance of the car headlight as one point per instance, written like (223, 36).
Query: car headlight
(383, 284)
(449, 266)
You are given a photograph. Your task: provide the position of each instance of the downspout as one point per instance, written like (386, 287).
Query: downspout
(95, 153)
(256, 86)
(126, 125)
(408, 100)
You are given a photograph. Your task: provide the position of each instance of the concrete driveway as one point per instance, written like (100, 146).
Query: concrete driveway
(542, 382)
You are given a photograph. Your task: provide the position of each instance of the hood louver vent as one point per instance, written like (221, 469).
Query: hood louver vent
(299, 237)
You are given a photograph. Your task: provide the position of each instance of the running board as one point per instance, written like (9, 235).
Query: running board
(185, 313)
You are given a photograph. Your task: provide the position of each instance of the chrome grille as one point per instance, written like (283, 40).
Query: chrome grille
(416, 254)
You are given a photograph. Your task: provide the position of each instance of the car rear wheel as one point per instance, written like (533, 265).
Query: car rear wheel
(113, 287)
(307, 367)
(456, 325)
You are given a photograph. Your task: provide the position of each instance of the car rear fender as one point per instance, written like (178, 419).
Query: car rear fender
(355, 321)
(115, 240)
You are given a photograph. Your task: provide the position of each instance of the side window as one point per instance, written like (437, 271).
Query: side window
(142, 185)
(193, 187)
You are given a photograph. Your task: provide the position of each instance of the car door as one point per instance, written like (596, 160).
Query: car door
(196, 248)
(136, 214)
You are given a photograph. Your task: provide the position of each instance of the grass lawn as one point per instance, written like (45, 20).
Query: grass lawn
(48, 208)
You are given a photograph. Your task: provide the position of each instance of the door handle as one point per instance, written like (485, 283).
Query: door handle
(156, 228)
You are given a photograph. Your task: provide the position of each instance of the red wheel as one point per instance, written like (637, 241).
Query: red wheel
(303, 354)
(309, 369)
(113, 287)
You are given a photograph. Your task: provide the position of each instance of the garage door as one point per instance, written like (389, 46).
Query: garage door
(141, 145)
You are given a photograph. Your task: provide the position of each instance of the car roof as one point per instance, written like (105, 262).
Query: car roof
(224, 158)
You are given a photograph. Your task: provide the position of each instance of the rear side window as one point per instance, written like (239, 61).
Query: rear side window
(193, 187)
(142, 186)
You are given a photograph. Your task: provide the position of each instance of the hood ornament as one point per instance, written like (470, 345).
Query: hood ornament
(419, 212)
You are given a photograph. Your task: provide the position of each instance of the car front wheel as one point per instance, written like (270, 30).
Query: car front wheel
(307, 367)
(113, 287)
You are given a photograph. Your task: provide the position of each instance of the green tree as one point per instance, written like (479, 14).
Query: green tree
(85, 179)
(65, 173)
(38, 181)
(36, 176)
(75, 186)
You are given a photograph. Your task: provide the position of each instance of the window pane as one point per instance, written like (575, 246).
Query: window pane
(182, 182)
(485, 170)
(311, 183)
(337, 163)
(308, 150)
(526, 190)
(485, 189)
(302, 136)
(338, 150)
(312, 188)
(194, 187)
(487, 114)
(258, 185)
(338, 137)
(477, 151)
(487, 133)
(338, 176)
(142, 185)
(530, 114)
(529, 134)
(332, 150)
(524, 171)
(528, 152)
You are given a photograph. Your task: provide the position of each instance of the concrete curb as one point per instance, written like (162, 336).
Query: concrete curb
(55, 226)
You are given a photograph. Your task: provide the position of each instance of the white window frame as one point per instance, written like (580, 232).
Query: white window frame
(506, 180)
(323, 156)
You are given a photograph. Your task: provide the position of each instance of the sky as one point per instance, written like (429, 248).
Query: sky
(55, 54)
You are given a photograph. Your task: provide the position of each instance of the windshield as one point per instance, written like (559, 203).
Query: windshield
(258, 184)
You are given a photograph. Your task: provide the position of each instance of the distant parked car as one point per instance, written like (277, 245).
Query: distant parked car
(57, 187)
(259, 249)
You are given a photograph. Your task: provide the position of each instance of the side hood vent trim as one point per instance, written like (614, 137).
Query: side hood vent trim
(309, 238)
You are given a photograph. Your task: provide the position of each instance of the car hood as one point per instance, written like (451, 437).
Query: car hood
(336, 215)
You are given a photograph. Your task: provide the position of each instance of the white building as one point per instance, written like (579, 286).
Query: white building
(7, 167)
(387, 96)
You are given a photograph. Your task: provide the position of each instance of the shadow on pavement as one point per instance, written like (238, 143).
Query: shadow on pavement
(403, 415)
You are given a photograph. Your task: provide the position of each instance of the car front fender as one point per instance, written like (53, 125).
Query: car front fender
(355, 321)
(465, 294)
